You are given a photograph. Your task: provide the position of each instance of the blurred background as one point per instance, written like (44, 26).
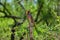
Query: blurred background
(14, 22)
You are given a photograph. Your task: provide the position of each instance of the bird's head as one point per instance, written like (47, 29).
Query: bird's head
(27, 12)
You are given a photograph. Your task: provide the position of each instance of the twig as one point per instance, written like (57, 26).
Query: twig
(19, 2)
(21, 5)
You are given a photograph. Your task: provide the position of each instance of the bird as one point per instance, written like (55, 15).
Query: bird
(29, 17)
(31, 20)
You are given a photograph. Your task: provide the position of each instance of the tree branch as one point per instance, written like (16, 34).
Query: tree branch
(13, 17)
(3, 12)
(40, 6)
(5, 8)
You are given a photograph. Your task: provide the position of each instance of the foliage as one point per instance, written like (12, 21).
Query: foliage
(48, 22)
